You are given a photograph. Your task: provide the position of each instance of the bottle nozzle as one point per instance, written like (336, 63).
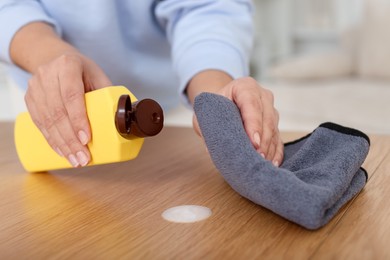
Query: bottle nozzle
(143, 118)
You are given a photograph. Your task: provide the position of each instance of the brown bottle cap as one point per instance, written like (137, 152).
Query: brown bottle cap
(143, 118)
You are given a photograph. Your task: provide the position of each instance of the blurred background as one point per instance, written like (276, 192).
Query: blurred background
(324, 60)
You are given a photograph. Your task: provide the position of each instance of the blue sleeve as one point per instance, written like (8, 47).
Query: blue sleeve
(14, 14)
(208, 34)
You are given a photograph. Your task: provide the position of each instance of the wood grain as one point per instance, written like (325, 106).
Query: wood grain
(114, 211)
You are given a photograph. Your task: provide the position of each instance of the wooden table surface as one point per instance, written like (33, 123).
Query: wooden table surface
(114, 211)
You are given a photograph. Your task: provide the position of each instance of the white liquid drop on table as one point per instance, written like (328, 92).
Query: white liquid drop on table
(186, 213)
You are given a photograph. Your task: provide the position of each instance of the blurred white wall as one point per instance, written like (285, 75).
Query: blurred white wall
(286, 28)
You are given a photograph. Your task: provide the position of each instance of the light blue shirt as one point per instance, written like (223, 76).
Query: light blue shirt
(152, 47)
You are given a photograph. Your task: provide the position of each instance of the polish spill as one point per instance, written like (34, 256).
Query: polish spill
(186, 214)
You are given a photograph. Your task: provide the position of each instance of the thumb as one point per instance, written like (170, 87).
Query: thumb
(195, 125)
(94, 77)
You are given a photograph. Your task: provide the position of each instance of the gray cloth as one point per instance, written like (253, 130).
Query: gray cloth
(319, 174)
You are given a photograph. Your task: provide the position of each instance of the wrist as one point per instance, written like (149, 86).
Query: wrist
(207, 81)
(37, 44)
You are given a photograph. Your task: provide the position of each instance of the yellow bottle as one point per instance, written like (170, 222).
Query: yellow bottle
(117, 125)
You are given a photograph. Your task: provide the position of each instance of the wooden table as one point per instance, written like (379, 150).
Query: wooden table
(114, 211)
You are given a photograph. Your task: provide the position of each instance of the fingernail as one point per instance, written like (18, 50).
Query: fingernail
(73, 160)
(263, 155)
(59, 152)
(256, 138)
(276, 163)
(82, 158)
(83, 137)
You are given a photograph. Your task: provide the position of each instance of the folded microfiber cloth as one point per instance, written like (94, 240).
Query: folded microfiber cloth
(320, 172)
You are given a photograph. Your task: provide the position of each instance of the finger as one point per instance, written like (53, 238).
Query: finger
(38, 108)
(62, 130)
(272, 148)
(197, 130)
(31, 99)
(94, 77)
(279, 153)
(276, 145)
(195, 126)
(270, 121)
(55, 117)
(71, 92)
(247, 98)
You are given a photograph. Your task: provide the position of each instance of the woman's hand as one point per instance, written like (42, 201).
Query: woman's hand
(256, 105)
(55, 94)
(55, 100)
